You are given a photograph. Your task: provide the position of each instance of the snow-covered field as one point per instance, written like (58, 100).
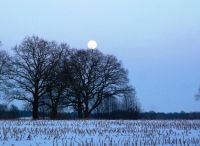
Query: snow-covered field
(99, 133)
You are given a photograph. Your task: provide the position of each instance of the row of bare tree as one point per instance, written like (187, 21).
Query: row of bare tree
(52, 76)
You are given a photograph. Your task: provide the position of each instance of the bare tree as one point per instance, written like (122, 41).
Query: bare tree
(5, 69)
(111, 104)
(56, 83)
(3, 108)
(5, 64)
(129, 102)
(94, 77)
(14, 111)
(33, 64)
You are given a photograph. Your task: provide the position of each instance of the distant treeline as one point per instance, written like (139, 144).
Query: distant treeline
(109, 116)
(128, 115)
(147, 115)
(169, 116)
(13, 112)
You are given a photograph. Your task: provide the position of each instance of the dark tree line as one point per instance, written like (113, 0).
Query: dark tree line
(169, 116)
(9, 112)
(51, 77)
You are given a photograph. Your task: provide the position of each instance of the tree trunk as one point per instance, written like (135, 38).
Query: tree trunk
(80, 113)
(35, 110)
(54, 113)
(86, 115)
(86, 111)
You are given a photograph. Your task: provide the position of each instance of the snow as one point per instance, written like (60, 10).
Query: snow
(99, 132)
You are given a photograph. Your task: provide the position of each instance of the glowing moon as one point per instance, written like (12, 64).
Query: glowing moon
(92, 44)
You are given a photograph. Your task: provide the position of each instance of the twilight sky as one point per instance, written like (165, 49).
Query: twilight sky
(157, 41)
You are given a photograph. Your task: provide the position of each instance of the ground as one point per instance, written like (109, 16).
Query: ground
(99, 132)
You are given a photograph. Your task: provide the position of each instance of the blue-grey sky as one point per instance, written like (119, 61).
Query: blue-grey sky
(157, 41)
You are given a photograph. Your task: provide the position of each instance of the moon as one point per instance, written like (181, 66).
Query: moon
(92, 44)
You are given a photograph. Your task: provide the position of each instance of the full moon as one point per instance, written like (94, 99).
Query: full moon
(92, 44)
